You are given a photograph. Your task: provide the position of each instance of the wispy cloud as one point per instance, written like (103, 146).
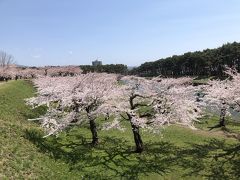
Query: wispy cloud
(70, 52)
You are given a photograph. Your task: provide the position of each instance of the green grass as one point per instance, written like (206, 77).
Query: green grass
(201, 80)
(19, 158)
(232, 127)
(175, 153)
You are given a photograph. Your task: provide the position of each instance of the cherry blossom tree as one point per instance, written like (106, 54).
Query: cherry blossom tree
(176, 101)
(224, 95)
(90, 97)
(173, 101)
(127, 100)
(30, 72)
(9, 72)
(72, 100)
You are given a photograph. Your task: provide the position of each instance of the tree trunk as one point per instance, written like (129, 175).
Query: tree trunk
(135, 129)
(221, 120)
(222, 117)
(93, 128)
(137, 139)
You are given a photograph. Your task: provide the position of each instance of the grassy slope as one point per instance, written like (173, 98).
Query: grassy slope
(19, 158)
(176, 153)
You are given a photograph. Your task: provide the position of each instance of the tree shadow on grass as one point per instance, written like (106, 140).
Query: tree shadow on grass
(215, 159)
(112, 158)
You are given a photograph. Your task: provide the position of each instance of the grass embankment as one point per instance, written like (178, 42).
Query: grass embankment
(176, 153)
(19, 158)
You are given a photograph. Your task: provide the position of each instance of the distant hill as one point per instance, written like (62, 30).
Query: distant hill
(209, 62)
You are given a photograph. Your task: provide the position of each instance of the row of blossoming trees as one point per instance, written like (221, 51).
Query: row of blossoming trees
(9, 70)
(12, 71)
(72, 100)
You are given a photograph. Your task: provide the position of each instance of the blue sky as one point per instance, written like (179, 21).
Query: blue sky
(61, 32)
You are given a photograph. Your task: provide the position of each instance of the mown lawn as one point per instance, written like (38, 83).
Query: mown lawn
(176, 153)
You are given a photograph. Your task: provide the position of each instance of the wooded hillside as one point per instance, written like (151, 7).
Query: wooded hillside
(209, 62)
